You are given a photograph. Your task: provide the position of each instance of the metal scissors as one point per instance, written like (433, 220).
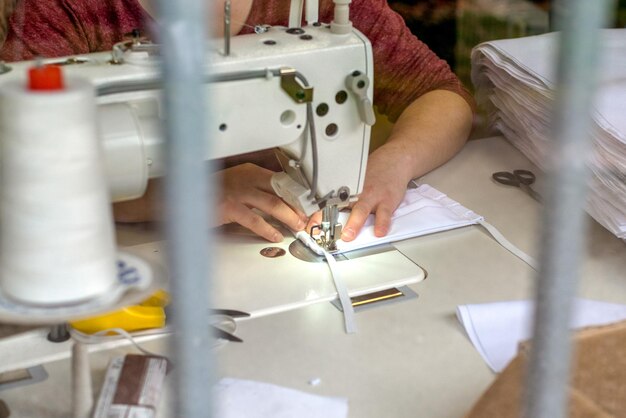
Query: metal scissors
(231, 314)
(518, 178)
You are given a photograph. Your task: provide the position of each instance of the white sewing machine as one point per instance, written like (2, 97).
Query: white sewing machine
(259, 100)
(304, 90)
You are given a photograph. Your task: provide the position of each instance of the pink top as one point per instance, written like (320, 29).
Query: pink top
(404, 67)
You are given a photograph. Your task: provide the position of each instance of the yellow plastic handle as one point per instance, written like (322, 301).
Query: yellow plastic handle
(148, 314)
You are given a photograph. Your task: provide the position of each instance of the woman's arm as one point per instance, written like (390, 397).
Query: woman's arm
(427, 134)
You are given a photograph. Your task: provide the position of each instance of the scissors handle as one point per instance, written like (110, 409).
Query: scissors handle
(506, 177)
(524, 176)
(516, 178)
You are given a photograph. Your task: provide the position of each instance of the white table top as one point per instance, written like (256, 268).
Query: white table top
(410, 358)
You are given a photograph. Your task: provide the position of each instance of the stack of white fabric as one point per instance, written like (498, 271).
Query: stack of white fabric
(515, 81)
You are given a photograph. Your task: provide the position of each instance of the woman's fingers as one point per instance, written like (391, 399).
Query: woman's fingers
(246, 217)
(275, 207)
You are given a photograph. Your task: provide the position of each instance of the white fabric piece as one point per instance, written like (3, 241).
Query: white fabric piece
(423, 211)
(236, 398)
(515, 80)
(306, 239)
(496, 329)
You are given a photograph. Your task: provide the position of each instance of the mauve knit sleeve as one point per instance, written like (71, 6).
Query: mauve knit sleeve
(43, 28)
(404, 67)
(54, 28)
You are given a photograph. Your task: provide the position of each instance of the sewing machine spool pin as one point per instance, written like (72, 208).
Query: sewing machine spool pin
(227, 28)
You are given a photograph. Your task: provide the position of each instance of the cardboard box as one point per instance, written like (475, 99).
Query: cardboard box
(598, 384)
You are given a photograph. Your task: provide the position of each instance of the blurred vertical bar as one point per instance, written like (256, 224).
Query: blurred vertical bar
(564, 220)
(187, 193)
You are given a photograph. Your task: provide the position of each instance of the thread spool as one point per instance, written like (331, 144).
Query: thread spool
(57, 241)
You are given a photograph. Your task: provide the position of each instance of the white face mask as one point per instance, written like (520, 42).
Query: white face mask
(423, 211)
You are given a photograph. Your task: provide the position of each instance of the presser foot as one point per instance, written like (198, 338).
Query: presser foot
(325, 238)
(327, 233)
(328, 245)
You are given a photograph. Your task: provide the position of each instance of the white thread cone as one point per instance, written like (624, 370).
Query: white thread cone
(57, 240)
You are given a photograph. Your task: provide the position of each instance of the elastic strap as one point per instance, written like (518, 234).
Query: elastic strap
(340, 286)
(497, 235)
(342, 291)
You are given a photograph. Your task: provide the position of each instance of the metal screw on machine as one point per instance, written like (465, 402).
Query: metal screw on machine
(227, 27)
(344, 193)
(300, 95)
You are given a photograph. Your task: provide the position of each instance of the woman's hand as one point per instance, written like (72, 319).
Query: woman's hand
(385, 185)
(427, 134)
(246, 187)
(242, 188)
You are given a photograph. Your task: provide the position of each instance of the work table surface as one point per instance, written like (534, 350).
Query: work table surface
(409, 358)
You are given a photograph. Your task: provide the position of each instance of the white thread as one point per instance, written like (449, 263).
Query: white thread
(104, 336)
(309, 242)
(57, 243)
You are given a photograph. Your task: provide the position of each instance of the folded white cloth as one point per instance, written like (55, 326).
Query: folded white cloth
(423, 211)
(237, 398)
(496, 329)
(515, 81)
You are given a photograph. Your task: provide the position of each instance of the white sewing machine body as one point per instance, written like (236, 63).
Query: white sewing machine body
(249, 109)
(246, 115)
